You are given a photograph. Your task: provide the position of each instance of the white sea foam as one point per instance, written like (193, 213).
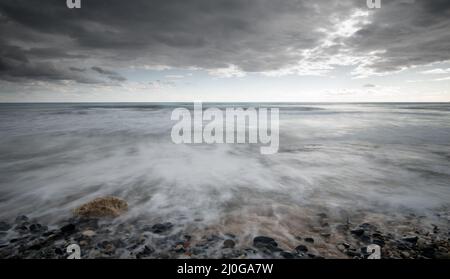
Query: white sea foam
(340, 158)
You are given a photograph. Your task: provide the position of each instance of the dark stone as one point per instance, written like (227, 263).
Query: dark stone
(309, 239)
(377, 235)
(161, 228)
(4, 226)
(357, 232)
(21, 228)
(286, 255)
(364, 238)
(410, 239)
(147, 251)
(352, 253)
(69, 228)
(379, 242)
(229, 243)
(266, 244)
(35, 227)
(264, 241)
(301, 248)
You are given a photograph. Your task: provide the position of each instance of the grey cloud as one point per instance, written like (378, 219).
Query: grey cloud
(110, 74)
(408, 34)
(75, 69)
(256, 36)
(103, 71)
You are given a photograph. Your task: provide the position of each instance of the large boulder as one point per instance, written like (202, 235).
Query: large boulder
(102, 207)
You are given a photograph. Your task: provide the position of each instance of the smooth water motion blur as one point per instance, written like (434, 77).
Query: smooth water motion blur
(345, 159)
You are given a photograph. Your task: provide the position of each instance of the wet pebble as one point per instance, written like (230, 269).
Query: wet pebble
(161, 228)
(69, 228)
(229, 243)
(301, 248)
(309, 239)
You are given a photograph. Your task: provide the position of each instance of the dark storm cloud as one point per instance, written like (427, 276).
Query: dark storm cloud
(256, 36)
(409, 33)
(110, 74)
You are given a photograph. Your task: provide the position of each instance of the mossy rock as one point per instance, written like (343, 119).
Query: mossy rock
(102, 207)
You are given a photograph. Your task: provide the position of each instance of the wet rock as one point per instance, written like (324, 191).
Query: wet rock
(357, 231)
(229, 243)
(264, 241)
(146, 251)
(301, 248)
(410, 239)
(309, 239)
(35, 228)
(353, 253)
(69, 228)
(378, 241)
(161, 228)
(286, 255)
(21, 229)
(102, 207)
(4, 226)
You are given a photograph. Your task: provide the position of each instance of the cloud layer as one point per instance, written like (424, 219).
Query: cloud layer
(44, 40)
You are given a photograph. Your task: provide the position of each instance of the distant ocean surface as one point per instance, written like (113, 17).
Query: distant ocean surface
(343, 159)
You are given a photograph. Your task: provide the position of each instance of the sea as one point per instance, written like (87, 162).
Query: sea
(369, 161)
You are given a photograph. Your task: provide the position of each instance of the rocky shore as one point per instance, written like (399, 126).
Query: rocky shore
(105, 238)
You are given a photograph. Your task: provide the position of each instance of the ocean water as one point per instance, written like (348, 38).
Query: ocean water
(374, 160)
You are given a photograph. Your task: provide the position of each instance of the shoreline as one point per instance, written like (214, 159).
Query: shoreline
(103, 239)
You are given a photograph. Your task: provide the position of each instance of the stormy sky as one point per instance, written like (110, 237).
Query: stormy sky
(224, 50)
